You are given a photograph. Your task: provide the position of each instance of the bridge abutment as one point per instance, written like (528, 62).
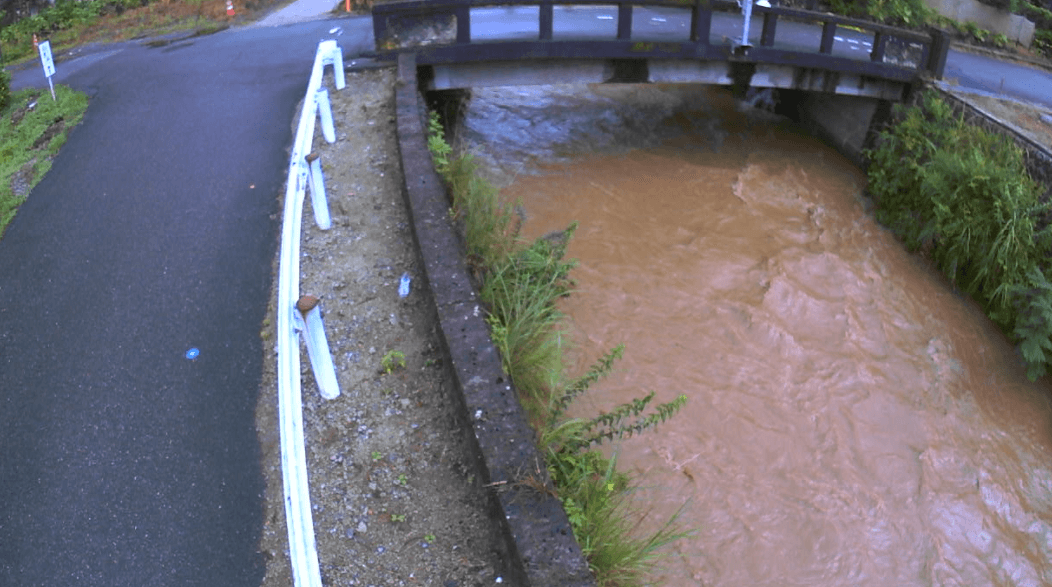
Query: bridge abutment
(847, 123)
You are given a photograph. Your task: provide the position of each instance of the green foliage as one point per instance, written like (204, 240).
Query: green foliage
(896, 12)
(436, 143)
(490, 232)
(392, 359)
(964, 195)
(520, 293)
(594, 494)
(976, 32)
(1033, 328)
(1043, 41)
(63, 14)
(5, 89)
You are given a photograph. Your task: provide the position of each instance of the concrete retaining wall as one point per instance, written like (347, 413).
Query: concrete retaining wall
(845, 122)
(1017, 28)
(539, 542)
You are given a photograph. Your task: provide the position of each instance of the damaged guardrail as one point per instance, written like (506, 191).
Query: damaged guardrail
(296, 315)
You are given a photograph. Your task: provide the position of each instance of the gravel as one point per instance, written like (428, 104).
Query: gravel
(395, 491)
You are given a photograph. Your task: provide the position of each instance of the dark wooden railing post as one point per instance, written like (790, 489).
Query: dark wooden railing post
(701, 21)
(880, 42)
(940, 47)
(828, 36)
(546, 20)
(463, 14)
(624, 21)
(770, 23)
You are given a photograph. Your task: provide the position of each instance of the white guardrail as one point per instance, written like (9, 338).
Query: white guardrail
(296, 315)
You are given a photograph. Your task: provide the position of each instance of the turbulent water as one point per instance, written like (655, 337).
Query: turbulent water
(851, 419)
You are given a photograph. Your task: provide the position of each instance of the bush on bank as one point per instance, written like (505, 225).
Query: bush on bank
(519, 284)
(963, 196)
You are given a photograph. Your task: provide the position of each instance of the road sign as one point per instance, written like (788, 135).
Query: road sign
(45, 58)
(49, 64)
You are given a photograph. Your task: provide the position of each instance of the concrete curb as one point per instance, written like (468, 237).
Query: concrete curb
(539, 542)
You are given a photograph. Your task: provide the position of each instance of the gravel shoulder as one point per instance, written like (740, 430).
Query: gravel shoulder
(396, 496)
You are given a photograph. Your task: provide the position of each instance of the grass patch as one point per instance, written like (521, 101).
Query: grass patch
(32, 129)
(520, 283)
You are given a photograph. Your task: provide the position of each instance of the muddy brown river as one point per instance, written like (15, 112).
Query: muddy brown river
(851, 419)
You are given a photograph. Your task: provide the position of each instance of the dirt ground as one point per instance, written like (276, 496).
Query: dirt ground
(1034, 122)
(395, 496)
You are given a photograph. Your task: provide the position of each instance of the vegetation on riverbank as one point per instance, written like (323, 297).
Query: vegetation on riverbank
(70, 23)
(520, 283)
(963, 196)
(32, 129)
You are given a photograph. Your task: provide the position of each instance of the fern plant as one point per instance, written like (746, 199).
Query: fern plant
(1033, 328)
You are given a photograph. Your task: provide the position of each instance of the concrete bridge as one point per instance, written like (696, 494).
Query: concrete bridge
(654, 41)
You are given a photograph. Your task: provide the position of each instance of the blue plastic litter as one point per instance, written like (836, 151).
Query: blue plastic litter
(403, 286)
(192, 353)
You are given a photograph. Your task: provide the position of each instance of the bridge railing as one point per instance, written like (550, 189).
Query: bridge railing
(443, 31)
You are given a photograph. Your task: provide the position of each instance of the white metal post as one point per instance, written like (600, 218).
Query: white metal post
(746, 21)
(318, 199)
(325, 111)
(318, 347)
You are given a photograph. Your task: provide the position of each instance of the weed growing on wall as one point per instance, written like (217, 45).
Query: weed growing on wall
(964, 196)
(520, 283)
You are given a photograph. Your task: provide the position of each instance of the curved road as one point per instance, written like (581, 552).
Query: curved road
(122, 462)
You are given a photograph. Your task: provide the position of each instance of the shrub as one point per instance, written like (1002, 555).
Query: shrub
(964, 195)
(5, 89)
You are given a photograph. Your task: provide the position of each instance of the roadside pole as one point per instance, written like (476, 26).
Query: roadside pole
(746, 21)
(49, 65)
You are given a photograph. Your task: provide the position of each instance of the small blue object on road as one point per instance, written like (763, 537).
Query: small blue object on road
(192, 353)
(403, 286)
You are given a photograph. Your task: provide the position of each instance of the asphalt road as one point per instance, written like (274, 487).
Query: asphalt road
(122, 462)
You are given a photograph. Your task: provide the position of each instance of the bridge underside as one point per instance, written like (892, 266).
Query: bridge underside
(672, 71)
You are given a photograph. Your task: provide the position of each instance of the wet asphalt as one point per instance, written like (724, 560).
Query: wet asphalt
(122, 461)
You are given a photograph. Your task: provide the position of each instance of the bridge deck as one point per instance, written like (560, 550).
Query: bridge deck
(671, 41)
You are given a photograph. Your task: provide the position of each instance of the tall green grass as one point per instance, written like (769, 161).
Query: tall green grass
(520, 283)
(963, 195)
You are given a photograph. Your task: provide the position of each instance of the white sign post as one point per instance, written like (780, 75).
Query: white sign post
(49, 65)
